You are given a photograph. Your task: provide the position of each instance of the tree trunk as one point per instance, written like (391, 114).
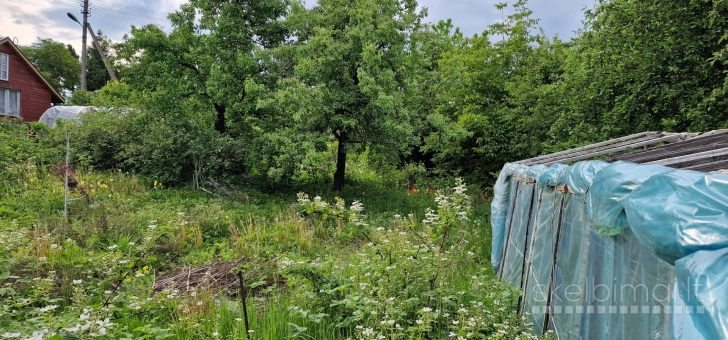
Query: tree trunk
(340, 164)
(220, 121)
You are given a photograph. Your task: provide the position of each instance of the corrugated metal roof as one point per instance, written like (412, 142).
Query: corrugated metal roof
(691, 151)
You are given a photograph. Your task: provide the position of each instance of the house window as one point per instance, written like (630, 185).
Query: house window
(4, 66)
(10, 102)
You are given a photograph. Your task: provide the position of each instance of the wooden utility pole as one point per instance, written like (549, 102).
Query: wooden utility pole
(83, 45)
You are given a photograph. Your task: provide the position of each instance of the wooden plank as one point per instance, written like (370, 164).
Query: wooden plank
(608, 147)
(590, 146)
(671, 138)
(713, 132)
(693, 159)
(694, 145)
(707, 167)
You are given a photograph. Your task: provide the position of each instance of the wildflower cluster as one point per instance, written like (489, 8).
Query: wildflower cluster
(338, 209)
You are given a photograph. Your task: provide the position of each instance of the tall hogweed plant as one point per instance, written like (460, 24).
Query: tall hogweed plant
(411, 280)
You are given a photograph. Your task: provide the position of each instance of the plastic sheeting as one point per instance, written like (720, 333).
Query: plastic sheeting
(541, 257)
(702, 284)
(569, 283)
(550, 177)
(55, 113)
(610, 189)
(598, 264)
(680, 212)
(517, 239)
(579, 176)
(501, 208)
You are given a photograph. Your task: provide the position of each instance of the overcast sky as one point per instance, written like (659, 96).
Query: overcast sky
(26, 20)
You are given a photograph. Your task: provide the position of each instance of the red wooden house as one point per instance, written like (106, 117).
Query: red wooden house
(24, 92)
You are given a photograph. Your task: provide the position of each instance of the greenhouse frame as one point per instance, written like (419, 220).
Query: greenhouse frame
(52, 115)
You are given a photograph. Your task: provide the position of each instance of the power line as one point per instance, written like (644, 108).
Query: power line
(121, 20)
(54, 4)
(112, 14)
(132, 9)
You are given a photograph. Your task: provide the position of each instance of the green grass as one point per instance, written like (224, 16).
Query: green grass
(199, 228)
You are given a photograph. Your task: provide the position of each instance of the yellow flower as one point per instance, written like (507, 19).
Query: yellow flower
(32, 180)
(146, 268)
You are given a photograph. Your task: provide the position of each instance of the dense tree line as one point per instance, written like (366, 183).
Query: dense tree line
(281, 90)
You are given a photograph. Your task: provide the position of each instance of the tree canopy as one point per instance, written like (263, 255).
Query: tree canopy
(349, 74)
(296, 89)
(58, 63)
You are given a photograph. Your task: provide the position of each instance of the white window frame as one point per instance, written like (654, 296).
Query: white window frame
(5, 65)
(7, 93)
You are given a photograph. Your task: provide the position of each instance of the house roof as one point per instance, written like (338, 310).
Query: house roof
(706, 152)
(55, 97)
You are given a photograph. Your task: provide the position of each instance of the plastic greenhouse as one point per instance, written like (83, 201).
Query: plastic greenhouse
(633, 246)
(63, 112)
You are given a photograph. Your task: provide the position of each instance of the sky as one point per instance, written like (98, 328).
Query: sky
(27, 20)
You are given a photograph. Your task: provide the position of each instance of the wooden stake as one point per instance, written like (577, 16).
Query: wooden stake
(243, 300)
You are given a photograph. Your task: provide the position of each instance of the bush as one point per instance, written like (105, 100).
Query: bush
(171, 151)
(27, 145)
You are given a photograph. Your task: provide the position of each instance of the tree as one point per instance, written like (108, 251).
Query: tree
(206, 59)
(56, 62)
(349, 74)
(496, 97)
(424, 83)
(193, 116)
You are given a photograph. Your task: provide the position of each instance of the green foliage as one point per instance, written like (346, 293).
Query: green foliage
(172, 150)
(56, 63)
(26, 146)
(81, 98)
(206, 61)
(270, 98)
(643, 66)
(497, 102)
(409, 281)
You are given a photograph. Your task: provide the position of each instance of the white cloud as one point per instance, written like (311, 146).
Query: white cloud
(28, 20)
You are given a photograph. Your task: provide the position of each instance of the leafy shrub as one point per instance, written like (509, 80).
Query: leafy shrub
(27, 145)
(170, 150)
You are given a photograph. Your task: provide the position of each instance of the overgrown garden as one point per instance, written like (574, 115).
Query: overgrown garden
(268, 170)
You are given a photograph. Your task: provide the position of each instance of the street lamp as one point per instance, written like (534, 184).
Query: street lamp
(73, 17)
